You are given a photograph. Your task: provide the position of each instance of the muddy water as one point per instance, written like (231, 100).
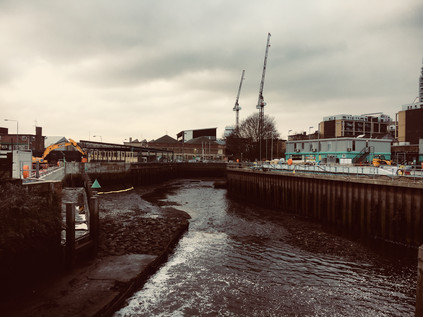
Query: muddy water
(240, 260)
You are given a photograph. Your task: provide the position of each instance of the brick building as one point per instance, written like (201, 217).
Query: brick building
(9, 142)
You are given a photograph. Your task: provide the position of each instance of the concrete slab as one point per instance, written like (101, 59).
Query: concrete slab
(121, 268)
(89, 291)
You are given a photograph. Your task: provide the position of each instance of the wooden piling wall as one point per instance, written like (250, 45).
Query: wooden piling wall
(139, 174)
(389, 210)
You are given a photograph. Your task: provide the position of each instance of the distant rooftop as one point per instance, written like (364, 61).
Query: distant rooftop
(411, 106)
(166, 139)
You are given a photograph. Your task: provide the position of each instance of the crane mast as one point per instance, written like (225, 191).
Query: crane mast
(261, 103)
(237, 107)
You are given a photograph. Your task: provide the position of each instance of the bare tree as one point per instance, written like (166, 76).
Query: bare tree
(243, 143)
(249, 128)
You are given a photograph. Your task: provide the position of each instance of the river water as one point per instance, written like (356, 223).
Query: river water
(242, 260)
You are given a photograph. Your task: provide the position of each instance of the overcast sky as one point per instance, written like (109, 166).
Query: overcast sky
(143, 69)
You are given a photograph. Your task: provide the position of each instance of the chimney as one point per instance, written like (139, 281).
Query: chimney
(39, 140)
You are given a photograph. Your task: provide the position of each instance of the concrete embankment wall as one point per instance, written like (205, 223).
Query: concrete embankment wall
(388, 210)
(142, 173)
(30, 233)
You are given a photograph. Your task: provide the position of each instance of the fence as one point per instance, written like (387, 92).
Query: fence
(412, 173)
(86, 245)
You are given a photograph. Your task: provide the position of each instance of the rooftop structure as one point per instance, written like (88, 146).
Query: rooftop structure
(187, 135)
(421, 85)
(373, 125)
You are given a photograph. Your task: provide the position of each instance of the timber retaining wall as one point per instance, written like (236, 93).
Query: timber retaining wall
(382, 209)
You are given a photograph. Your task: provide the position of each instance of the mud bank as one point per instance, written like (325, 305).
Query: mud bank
(128, 224)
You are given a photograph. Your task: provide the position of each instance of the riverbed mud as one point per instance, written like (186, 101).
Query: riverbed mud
(130, 224)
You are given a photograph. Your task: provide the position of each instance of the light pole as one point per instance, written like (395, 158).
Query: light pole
(309, 133)
(288, 135)
(98, 136)
(17, 132)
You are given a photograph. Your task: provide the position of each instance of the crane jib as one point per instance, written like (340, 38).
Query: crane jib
(260, 102)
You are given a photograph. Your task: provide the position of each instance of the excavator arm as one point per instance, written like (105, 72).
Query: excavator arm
(56, 146)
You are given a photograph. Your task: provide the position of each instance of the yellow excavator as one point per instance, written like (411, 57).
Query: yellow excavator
(52, 147)
(379, 160)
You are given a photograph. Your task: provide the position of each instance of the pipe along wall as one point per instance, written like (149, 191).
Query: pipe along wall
(382, 209)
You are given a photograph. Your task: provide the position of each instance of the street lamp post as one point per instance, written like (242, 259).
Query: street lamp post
(98, 136)
(288, 134)
(309, 133)
(17, 131)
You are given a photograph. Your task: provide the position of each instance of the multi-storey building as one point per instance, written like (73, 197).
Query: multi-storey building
(410, 119)
(410, 123)
(346, 125)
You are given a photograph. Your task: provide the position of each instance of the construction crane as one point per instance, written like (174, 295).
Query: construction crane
(237, 107)
(261, 103)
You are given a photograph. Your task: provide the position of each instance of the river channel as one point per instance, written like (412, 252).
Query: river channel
(243, 260)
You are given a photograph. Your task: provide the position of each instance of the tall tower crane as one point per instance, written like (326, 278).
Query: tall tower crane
(237, 107)
(261, 103)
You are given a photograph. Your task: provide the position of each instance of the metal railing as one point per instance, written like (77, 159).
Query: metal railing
(401, 172)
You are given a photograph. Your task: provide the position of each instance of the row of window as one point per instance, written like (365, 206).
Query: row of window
(112, 156)
(326, 146)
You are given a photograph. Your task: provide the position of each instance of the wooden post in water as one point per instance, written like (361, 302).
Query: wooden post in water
(70, 235)
(419, 293)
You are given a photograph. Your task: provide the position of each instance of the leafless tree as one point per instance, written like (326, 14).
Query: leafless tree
(249, 128)
(243, 143)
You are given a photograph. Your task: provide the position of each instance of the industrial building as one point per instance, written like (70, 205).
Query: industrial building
(199, 149)
(338, 150)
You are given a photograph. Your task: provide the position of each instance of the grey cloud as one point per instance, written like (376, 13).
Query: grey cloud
(321, 52)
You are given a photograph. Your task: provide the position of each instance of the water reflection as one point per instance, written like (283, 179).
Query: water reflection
(239, 260)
